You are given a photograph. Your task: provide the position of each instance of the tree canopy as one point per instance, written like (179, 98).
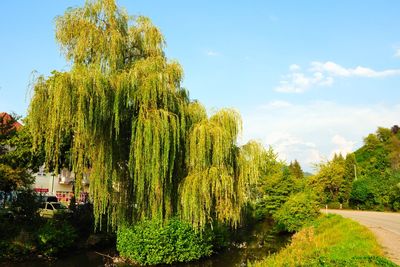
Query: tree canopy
(15, 155)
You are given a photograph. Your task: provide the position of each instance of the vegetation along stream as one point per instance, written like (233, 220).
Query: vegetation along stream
(251, 244)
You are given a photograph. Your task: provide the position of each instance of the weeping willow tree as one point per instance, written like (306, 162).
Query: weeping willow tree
(125, 119)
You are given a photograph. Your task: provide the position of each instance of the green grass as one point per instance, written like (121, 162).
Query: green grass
(330, 241)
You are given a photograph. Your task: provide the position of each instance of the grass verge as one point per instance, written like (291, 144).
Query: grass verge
(331, 240)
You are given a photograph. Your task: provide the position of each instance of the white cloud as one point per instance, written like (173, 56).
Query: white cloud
(343, 146)
(397, 52)
(212, 53)
(334, 69)
(315, 131)
(322, 74)
(276, 104)
(294, 67)
(298, 82)
(290, 147)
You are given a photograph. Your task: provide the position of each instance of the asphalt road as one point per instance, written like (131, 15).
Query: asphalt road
(385, 225)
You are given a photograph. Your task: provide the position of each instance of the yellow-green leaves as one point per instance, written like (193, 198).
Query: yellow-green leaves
(100, 34)
(220, 173)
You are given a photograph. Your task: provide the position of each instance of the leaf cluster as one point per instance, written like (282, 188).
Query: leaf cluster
(154, 242)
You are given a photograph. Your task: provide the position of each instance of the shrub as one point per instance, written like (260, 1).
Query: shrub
(54, 237)
(83, 220)
(334, 205)
(18, 246)
(362, 194)
(299, 210)
(25, 206)
(152, 242)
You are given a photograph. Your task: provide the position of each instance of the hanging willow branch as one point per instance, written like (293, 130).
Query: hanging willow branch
(220, 173)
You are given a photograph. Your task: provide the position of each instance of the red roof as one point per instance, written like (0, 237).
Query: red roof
(5, 118)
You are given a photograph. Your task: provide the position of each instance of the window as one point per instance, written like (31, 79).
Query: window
(58, 206)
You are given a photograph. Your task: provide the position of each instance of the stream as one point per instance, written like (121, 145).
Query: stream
(253, 243)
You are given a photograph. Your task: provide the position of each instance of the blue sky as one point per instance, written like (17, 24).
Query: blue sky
(309, 78)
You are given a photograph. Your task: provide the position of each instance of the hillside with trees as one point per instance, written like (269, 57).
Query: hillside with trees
(367, 179)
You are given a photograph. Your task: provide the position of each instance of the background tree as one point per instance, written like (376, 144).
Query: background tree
(7, 130)
(329, 179)
(394, 155)
(348, 178)
(14, 162)
(295, 170)
(378, 175)
(275, 189)
(12, 179)
(20, 154)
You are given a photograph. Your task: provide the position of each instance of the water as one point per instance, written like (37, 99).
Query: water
(254, 243)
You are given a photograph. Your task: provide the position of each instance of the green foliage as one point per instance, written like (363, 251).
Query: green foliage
(362, 194)
(275, 189)
(378, 172)
(82, 220)
(21, 155)
(377, 193)
(11, 179)
(55, 236)
(300, 209)
(17, 248)
(26, 205)
(394, 197)
(348, 178)
(329, 179)
(372, 158)
(13, 160)
(220, 174)
(152, 242)
(330, 241)
(295, 170)
(394, 155)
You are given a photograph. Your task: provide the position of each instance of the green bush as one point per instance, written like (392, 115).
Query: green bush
(152, 242)
(299, 210)
(55, 236)
(395, 197)
(334, 205)
(83, 220)
(26, 206)
(20, 245)
(363, 194)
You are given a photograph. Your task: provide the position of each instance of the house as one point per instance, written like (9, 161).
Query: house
(60, 185)
(8, 123)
